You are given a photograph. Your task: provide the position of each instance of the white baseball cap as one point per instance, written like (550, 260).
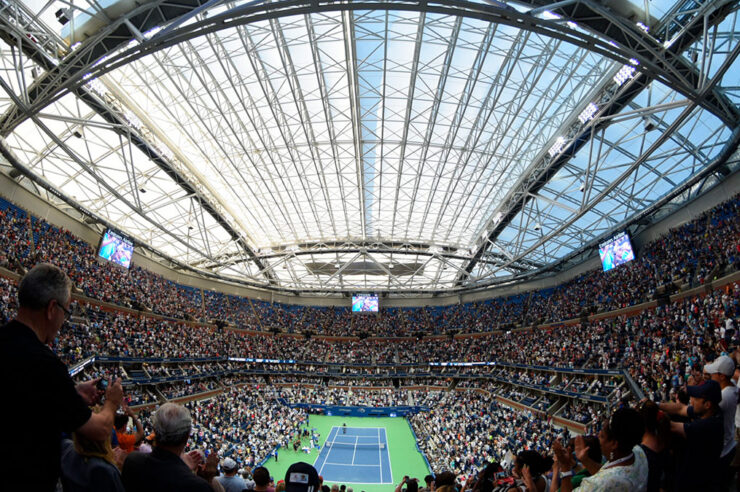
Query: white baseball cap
(722, 365)
(228, 464)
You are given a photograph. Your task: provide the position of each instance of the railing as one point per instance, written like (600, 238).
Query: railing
(634, 387)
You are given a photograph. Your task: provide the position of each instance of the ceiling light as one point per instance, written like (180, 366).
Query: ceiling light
(556, 147)
(649, 125)
(152, 32)
(63, 15)
(624, 74)
(588, 113)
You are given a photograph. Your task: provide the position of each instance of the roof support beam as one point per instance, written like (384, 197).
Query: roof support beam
(74, 73)
(111, 116)
(109, 48)
(579, 134)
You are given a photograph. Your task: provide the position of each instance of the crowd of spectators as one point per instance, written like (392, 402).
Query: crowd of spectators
(387, 397)
(663, 349)
(179, 390)
(465, 430)
(605, 344)
(658, 347)
(688, 261)
(245, 424)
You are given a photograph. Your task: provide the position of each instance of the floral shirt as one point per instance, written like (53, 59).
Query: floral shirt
(620, 478)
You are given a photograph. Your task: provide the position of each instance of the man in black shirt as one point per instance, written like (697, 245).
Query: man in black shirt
(699, 468)
(42, 397)
(163, 470)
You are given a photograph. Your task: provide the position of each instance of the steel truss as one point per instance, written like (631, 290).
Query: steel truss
(685, 25)
(534, 212)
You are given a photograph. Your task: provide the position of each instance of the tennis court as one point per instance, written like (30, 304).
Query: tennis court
(355, 455)
(400, 448)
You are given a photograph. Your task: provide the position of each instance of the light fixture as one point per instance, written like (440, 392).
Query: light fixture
(63, 15)
(648, 124)
(624, 74)
(588, 113)
(556, 147)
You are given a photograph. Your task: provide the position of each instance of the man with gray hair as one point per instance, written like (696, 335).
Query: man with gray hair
(43, 398)
(163, 469)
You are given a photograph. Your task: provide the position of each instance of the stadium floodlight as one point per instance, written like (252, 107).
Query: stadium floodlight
(152, 32)
(588, 113)
(624, 74)
(643, 27)
(556, 147)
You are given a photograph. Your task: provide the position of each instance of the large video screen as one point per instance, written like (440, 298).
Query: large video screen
(616, 251)
(365, 303)
(116, 248)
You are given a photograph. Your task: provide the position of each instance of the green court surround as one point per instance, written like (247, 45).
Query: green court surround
(405, 458)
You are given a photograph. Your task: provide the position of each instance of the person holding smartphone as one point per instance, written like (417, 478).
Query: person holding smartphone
(412, 484)
(44, 400)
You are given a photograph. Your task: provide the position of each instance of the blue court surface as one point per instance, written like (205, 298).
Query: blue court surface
(356, 455)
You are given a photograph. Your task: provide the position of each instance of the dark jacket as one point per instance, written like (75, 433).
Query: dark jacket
(160, 471)
(81, 474)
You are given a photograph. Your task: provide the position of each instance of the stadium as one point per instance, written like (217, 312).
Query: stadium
(466, 245)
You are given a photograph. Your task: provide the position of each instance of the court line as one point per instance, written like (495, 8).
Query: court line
(383, 440)
(327, 454)
(345, 464)
(364, 483)
(387, 453)
(380, 458)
